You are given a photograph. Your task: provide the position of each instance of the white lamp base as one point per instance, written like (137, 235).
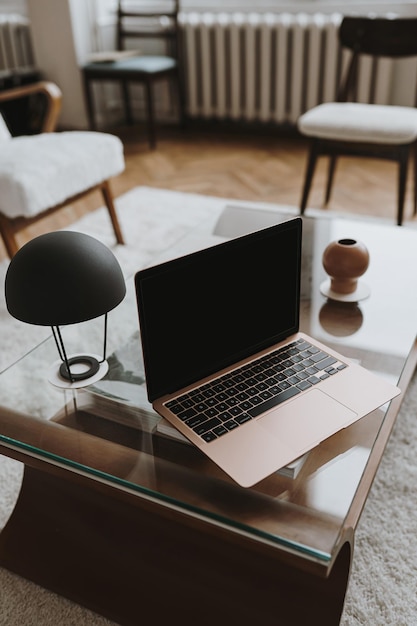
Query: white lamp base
(57, 380)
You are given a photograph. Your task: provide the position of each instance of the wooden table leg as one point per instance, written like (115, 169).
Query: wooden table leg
(133, 563)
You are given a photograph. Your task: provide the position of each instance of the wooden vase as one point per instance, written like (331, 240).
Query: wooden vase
(345, 261)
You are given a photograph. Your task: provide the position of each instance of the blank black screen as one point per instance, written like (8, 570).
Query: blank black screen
(209, 309)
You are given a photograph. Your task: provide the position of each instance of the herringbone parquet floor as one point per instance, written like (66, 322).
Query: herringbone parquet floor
(241, 165)
(268, 168)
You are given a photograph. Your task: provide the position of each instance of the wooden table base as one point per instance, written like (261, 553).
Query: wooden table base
(134, 564)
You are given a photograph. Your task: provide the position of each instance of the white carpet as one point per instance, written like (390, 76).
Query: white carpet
(382, 585)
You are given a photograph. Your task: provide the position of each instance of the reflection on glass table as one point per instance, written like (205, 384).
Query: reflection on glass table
(304, 521)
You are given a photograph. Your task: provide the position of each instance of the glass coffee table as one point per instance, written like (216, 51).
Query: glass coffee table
(136, 525)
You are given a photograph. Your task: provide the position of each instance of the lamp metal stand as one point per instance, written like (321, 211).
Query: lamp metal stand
(92, 363)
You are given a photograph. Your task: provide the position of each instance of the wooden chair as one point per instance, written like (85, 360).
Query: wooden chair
(41, 173)
(348, 128)
(147, 24)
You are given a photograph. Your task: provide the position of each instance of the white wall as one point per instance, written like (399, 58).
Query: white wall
(13, 6)
(64, 32)
(59, 31)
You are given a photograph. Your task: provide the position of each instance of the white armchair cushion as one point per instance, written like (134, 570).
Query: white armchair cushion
(39, 172)
(351, 121)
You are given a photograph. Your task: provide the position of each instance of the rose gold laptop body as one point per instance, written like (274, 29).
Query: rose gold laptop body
(214, 313)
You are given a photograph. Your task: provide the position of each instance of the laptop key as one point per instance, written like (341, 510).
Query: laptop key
(185, 415)
(210, 436)
(222, 407)
(243, 418)
(221, 397)
(304, 384)
(197, 420)
(269, 404)
(175, 407)
(321, 365)
(209, 425)
(293, 351)
(319, 356)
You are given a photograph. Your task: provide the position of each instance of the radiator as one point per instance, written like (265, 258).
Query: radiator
(268, 67)
(15, 43)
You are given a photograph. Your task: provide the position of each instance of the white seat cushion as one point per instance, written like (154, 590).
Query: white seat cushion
(351, 121)
(39, 172)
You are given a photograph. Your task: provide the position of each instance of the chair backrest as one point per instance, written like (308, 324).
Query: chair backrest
(151, 19)
(378, 37)
(5, 133)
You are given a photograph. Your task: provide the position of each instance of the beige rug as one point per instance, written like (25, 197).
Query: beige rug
(382, 586)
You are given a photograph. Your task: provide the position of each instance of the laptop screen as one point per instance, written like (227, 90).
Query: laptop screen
(209, 309)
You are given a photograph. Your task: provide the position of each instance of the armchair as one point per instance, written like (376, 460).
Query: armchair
(42, 173)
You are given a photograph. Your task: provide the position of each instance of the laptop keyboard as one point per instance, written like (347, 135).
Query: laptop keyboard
(229, 401)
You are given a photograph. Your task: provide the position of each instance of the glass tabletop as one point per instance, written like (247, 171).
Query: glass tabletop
(110, 432)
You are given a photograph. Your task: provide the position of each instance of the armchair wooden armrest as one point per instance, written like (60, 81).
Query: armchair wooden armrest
(53, 97)
(23, 198)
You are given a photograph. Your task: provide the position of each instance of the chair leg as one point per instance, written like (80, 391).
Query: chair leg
(151, 115)
(88, 92)
(108, 199)
(330, 178)
(180, 100)
(311, 165)
(7, 234)
(126, 103)
(402, 181)
(415, 178)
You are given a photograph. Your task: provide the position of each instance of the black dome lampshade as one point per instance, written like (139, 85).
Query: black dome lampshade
(63, 278)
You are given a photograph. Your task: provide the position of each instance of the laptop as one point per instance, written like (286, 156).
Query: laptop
(226, 364)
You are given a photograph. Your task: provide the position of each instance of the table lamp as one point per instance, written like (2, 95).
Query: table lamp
(63, 278)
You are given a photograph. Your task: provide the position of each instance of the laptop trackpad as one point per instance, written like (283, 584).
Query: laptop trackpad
(307, 420)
